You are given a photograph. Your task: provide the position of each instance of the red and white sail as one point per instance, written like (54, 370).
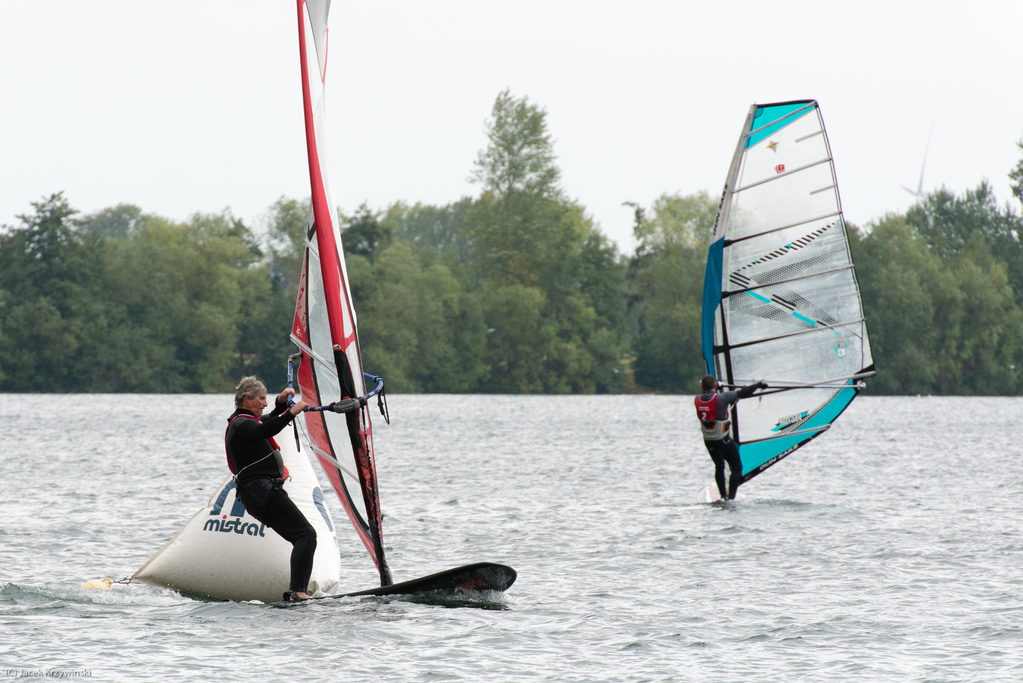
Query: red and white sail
(325, 322)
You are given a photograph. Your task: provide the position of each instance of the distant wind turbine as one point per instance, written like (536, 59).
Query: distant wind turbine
(919, 193)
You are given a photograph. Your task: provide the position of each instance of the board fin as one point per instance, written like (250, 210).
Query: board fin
(709, 493)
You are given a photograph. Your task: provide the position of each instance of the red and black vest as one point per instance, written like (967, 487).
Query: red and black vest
(706, 412)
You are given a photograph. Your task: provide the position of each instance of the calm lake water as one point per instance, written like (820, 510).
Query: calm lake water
(889, 549)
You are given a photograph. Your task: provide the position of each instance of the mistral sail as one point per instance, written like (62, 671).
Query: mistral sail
(325, 322)
(780, 298)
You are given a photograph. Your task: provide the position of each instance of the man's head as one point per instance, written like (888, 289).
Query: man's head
(249, 389)
(708, 383)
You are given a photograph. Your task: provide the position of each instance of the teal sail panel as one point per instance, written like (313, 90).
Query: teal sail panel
(711, 299)
(758, 456)
(770, 118)
(781, 301)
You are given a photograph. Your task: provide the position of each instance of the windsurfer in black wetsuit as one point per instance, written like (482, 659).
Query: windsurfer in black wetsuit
(712, 410)
(259, 472)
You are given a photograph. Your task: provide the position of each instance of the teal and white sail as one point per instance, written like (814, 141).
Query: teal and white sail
(780, 298)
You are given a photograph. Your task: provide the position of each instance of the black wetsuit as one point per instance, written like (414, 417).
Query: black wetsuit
(259, 472)
(726, 450)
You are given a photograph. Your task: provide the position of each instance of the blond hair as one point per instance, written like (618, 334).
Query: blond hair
(249, 387)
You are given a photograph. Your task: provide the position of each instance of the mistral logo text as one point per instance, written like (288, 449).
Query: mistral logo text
(236, 525)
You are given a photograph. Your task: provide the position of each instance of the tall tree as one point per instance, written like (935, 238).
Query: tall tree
(1016, 176)
(552, 284)
(667, 280)
(520, 155)
(44, 251)
(285, 223)
(46, 274)
(948, 222)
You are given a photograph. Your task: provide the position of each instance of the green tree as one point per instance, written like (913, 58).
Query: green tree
(429, 228)
(46, 273)
(520, 156)
(948, 222)
(364, 235)
(286, 222)
(937, 326)
(1016, 176)
(520, 341)
(552, 285)
(901, 284)
(44, 254)
(552, 249)
(115, 222)
(666, 273)
(418, 326)
(203, 306)
(980, 328)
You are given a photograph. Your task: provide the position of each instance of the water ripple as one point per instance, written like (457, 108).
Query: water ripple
(880, 552)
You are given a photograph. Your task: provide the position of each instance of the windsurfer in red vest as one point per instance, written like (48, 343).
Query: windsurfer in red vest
(712, 410)
(259, 473)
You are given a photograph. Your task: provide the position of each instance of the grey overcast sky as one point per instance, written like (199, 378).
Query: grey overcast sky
(195, 105)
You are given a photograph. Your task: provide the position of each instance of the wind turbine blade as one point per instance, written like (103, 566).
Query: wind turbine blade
(920, 187)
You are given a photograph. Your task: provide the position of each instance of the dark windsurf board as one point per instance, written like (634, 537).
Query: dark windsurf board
(480, 576)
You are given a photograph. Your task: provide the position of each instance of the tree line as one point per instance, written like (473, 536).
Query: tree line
(513, 291)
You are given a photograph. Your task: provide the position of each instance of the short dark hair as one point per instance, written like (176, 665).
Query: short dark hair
(708, 382)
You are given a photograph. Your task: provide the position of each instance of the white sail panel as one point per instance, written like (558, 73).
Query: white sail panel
(781, 301)
(317, 12)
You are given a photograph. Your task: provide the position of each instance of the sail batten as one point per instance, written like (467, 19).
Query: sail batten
(786, 173)
(730, 242)
(333, 461)
(782, 282)
(781, 301)
(815, 328)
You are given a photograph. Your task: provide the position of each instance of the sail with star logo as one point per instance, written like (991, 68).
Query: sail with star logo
(780, 300)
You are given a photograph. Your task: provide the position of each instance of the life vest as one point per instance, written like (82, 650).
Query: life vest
(275, 453)
(706, 411)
